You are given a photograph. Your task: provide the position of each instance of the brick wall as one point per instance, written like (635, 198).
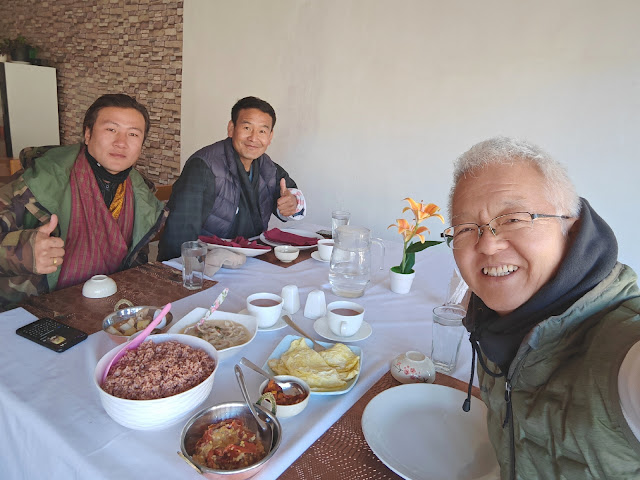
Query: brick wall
(111, 46)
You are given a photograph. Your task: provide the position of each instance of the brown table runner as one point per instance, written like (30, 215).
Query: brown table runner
(342, 451)
(152, 284)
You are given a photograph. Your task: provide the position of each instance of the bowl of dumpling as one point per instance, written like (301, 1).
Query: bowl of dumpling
(123, 323)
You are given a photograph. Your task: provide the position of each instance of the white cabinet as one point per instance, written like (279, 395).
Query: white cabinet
(29, 107)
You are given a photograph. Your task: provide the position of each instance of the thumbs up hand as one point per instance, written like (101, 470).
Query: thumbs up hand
(48, 251)
(287, 203)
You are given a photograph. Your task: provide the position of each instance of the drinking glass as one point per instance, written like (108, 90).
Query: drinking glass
(338, 219)
(193, 259)
(446, 337)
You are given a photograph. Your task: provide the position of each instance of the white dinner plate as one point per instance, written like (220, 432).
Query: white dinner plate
(420, 431)
(316, 256)
(248, 252)
(284, 345)
(248, 321)
(321, 326)
(279, 325)
(295, 231)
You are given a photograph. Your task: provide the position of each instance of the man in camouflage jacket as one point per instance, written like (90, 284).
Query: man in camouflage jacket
(36, 208)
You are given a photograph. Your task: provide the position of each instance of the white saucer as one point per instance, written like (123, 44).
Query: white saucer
(316, 256)
(280, 324)
(322, 328)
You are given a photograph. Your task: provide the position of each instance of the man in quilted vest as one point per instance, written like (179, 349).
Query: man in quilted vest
(554, 318)
(79, 210)
(232, 188)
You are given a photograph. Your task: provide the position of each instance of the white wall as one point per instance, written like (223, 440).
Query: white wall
(376, 98)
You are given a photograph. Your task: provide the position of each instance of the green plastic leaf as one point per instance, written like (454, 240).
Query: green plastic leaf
(409, 263)
(418, 247)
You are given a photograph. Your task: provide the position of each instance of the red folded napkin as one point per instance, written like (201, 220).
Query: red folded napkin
(277, 235)
(239, 242)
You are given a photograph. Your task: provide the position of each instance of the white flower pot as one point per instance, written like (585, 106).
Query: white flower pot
(401, 282)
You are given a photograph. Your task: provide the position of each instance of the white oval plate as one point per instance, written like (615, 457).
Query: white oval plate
(420, 432)
(248, 321)
(247, 252)
(295, 231)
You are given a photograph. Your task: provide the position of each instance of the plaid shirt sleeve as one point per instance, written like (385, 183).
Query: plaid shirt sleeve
(192, 198)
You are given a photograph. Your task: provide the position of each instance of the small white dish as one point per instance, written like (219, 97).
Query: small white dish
(99, 286)
(413, 367)
(286, 253)
(321, 326)
(279, 325)
(286, 411)
(316, 256)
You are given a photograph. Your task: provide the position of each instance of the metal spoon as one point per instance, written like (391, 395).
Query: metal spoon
(243, 388)
(316, 346)
(288, 387)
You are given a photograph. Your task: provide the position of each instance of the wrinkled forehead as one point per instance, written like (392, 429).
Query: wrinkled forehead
(497, 189)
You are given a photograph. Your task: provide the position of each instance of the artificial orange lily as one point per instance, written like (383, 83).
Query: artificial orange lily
(409, 230)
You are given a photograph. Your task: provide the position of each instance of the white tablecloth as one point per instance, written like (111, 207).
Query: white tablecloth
(52, 423)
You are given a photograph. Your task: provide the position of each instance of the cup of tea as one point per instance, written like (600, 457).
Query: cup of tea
(344, 318)
(266, 307)
(325, 247)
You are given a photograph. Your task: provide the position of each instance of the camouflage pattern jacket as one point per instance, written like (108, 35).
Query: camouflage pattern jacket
(28, 203)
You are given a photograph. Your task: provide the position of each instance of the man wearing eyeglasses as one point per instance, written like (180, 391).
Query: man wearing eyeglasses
(554, 319)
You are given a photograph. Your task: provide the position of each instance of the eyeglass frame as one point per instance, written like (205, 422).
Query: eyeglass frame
(448, 239)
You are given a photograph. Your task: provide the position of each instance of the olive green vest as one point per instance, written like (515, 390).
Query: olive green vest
(567, 419)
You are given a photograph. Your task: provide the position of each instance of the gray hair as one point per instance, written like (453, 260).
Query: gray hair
(559, 189)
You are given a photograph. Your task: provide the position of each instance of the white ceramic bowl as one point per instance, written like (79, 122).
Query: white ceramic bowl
(161, 412)
(248, 321)
(413, 367)
(99, 286)
(285, 411)
(286, 253)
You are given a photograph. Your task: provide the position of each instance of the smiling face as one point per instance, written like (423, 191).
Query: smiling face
(507, 273)
(251, 134)
(115, 140)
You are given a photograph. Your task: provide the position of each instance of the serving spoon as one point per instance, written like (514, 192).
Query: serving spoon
(288, 387)
(136, 341)
(316, 346)
(243, 388)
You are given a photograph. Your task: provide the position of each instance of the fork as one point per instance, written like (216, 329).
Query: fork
(316, 346)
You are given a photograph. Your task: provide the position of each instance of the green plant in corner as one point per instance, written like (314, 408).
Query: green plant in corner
(5, 46)
(409, 230)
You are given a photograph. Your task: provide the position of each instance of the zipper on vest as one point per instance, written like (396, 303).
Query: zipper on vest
(508, 421)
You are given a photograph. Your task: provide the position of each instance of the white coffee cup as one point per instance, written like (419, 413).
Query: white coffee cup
(325, 247)
(266, 307)
(344, 318)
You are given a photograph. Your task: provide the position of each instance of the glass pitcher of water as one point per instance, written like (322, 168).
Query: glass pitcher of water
(350, 267)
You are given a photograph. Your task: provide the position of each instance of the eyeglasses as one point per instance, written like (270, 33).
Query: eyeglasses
(509, 225)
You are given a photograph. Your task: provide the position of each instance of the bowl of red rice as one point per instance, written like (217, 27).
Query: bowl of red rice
(159, 383)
